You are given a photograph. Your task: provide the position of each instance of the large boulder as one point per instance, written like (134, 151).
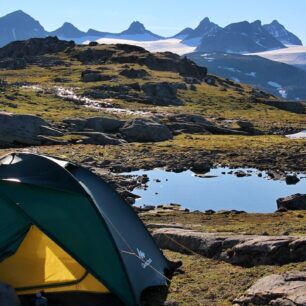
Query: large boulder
(24, 129)
(94, 76)
(185, 123)
(163, 93)
(288, 289)
(293, 202)
(145, 130)
(8, 296)
(104, 124)
(96, 124)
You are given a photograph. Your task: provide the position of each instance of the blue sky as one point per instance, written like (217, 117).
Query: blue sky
(165, 17)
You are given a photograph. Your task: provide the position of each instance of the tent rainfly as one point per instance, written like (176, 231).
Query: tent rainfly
(64, 230)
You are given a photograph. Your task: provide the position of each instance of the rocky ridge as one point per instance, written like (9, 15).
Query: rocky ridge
(288, 289)
(243, 250)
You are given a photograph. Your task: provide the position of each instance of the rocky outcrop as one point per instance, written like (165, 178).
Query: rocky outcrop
(185, 123)
(127, 54)
(145, 130)
(35, 47)
(11, 63)
(161, 93)
(96, 124)
(24, 130)
(88, 76)
(288, 289)
(290, 106)
(293, 202)
(248, 127)
(8, 296)
(132, 73)
(18, 54)
(236, 249)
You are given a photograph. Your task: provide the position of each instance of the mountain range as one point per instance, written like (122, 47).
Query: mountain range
(228, 52)
(238, 37)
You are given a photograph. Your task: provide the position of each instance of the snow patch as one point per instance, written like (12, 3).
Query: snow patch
(274, 84)
(230, 69)
(251, 74)
(292, 55)
(235, 80)
(300, 135)
(14, 33)
(279, 88)
(165, 45)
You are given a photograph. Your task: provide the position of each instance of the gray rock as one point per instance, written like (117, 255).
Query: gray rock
(293, 202)
(94, 76)
(45, 140)
(200, 167)
(145, 130)
(100, 138)
(248, 127)
(13, 63)
(243, 250)
(23, 129)
(292, 179)
(8, 296)
(241, 173)
(104, 124)
(135, 73)
(161, 93)
(48, 131)
(191, 80)
(76, 124)
(278, 290)
(96, 124)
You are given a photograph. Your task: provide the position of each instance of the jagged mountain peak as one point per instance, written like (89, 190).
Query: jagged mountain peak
(68, 30)
(136, 27)
(183, 34)
(205, 27)
(240, 37)
(19, 25)
(278, 31)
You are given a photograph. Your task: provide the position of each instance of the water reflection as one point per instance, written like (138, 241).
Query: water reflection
(217, 190)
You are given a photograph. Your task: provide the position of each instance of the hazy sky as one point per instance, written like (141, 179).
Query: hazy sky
(165, 17)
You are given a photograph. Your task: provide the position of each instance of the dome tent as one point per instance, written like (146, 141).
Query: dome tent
(66, 230)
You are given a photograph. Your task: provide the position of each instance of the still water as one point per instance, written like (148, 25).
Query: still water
(215, 191)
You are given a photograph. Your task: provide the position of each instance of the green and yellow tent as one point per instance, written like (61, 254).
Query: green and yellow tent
(65, 231)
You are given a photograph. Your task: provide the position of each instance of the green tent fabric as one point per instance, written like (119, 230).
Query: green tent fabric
(84, 216)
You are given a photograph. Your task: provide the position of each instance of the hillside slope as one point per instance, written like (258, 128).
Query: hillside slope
(282, 80)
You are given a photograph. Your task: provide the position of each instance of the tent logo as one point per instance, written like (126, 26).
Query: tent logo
(142, 257)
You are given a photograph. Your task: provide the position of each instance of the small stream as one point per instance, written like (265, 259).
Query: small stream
(96, 104)
(216, 190)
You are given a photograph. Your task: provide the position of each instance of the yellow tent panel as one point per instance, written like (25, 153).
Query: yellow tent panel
(41, 264)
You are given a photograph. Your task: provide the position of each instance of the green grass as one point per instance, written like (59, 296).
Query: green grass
(208, 282)
(209, 101)
(249, 224)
